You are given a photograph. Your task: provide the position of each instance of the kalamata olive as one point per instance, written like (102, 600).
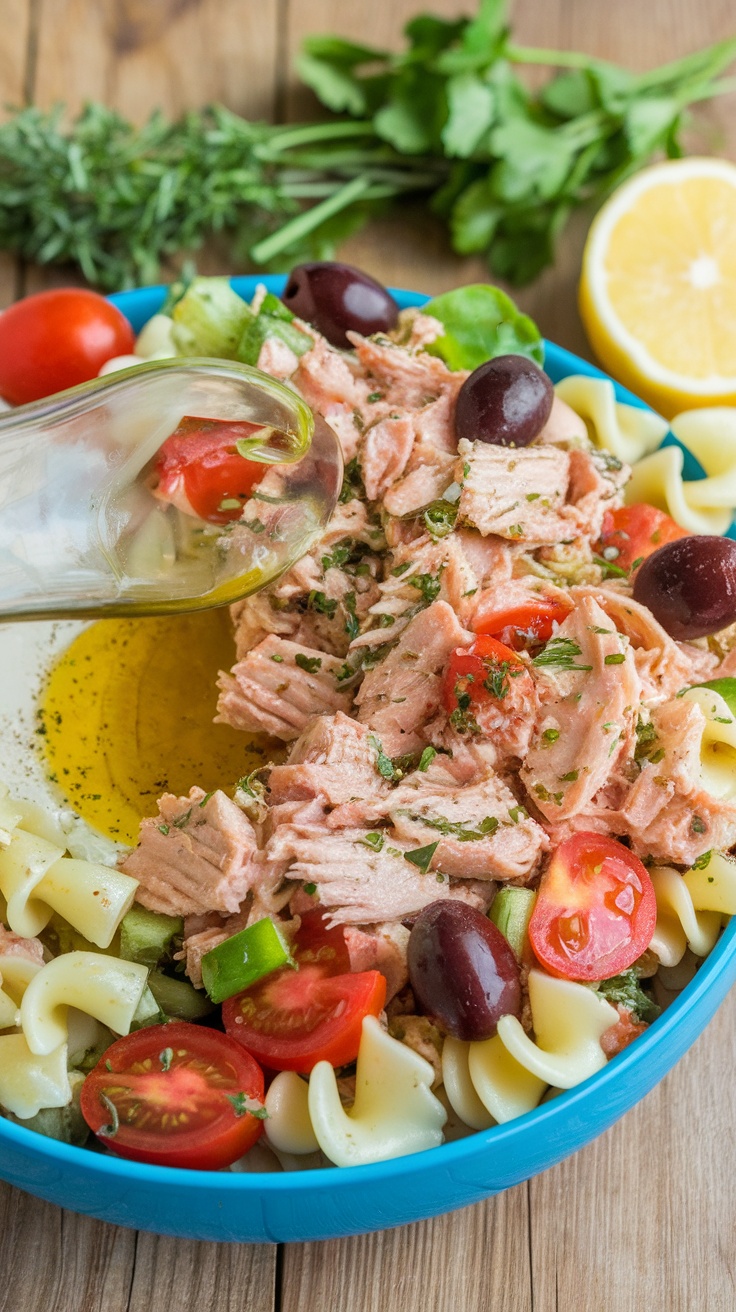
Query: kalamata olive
(462, 971)
(690, 586)
(337, 298)
(506, 401)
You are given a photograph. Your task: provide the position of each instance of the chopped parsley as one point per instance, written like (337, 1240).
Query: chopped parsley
(384, 764)
(164, 829)
(609, 570)
(310, 889)
(518, 813)
(352, 623)
(550, 736)
(427, 584)
(345, 671)
(440, 518)
(398, 570)
(422, 856)
(309, 663)
(375, 841)
(242, 1104)
(352, 483)
(496, 681)
(375, 396)
(181, 820)
(559, 654)
(317, 601)
(616, 658)
(459, 829)
(278, 659)
(207, 797)
(625, 990)
(251, 785)
(703, 861)
(698, 825)
(570, 778)
(340, 554)
(426, 759)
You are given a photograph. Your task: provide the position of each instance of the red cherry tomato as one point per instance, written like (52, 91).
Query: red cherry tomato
(480, 675)
(175, 1095)
(200, 470)
(595, 911)
(530, 624)
(635, 532)
(292, 1019)
(56, 339)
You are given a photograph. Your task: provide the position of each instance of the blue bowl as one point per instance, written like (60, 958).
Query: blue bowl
(327, 1204)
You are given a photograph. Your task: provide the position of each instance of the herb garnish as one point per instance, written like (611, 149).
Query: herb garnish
(422, 856)
(309, 663)
(559, 654)
(460, 829)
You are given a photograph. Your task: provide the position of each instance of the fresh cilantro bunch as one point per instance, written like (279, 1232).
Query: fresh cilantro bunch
(520, 161)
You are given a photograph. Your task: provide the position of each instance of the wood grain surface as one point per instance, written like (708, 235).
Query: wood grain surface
(645, 1217)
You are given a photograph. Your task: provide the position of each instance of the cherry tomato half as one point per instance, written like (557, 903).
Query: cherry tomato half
(178, 1095)
(478, 676)
(292, 1019)
(200, 470)
(56, 339)
(522, 627)
(635, 532)
(595, 911)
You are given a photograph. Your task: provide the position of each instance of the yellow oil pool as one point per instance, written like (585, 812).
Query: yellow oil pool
(126, 714)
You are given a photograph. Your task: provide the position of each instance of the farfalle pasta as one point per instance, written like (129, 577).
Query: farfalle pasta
(703, 505)
(627, 431)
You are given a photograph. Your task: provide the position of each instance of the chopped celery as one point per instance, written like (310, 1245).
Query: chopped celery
(270, 325)
(178, 998)
(148, 1011)
(246, 957)
(209, 319)
(274, 306)
(511, 912)
(146, 936)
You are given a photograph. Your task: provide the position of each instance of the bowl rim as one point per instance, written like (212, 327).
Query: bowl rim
(138, 305)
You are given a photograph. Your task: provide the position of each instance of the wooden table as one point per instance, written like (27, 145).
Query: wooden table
(642, 1218)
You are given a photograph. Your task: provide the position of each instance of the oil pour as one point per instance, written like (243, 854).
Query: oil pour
(93, 521)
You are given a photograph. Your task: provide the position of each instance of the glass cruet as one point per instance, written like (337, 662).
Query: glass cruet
(81, 535)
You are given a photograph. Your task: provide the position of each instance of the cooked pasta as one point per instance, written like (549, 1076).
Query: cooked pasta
(31, 1081)
(505, 1086)
(288, 1127)
(394, 1113)
(568, 1020)
(16, 973)
(36, 879)
(700, 505)
(627, 431)
(679, 922)
(101, 986)
(459, 1086)
(717, 745)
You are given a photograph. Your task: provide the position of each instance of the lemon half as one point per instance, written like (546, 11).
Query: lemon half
(658, 284)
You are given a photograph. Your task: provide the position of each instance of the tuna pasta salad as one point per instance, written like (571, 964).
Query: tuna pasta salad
(488, 835)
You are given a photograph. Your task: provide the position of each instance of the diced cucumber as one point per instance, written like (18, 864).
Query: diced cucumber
(146, 936)
(265, 326)
(178, 998)
(511, 912)
(244, 958)
(210, 319)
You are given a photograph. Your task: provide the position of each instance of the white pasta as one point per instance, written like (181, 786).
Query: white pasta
(505, 1087)
(679, 923)
(627, 431)
(16, 973)
(103, 987)
(394, 1113)
(712, 887)
(30, 1081)
(699, 505)
(288, 1127)
(36, 879)
(717, 745)
(459, 1087)
(568, 1020)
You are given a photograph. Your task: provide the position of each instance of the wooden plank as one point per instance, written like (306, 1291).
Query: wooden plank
(468, 1261)
(53, 1259)
(13, 70)
(171, 1273)
(172, 54)
(644, 1217)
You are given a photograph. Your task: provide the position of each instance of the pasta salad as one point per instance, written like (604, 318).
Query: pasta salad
(491, 835)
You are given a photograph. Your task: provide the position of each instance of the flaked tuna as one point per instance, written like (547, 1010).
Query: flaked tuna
(14, 945)
(403, 692)
(537, 494)
(410, 380)
(667, 813)
(381, 947)
(589, 692)
(384, 453)
(199, 854)
(336, 762)
(278, 688)
(363, 877)
(482, 830)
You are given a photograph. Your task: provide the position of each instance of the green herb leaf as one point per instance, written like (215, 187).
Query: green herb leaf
(309, 663)
(422, 856)
(625, 990)
(481, 322)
